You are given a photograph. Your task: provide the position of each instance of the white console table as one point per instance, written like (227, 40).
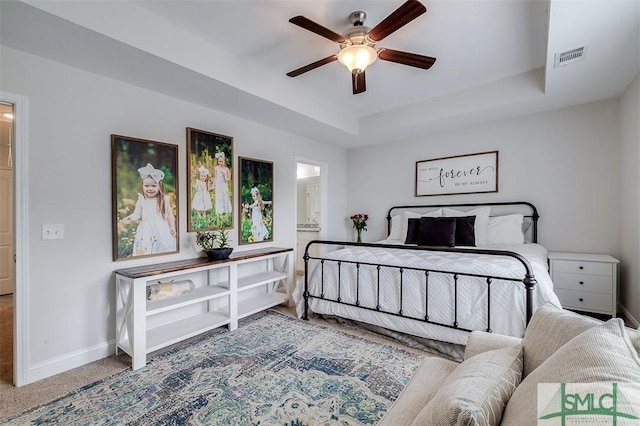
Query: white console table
(224, 291)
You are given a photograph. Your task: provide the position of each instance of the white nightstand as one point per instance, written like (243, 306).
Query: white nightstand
(585, 282)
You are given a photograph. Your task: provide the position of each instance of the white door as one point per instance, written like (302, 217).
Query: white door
(7, 269)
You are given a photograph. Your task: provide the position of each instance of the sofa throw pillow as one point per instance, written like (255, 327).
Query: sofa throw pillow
(437, 231)
(465, 231)
(549, 329)
(476, 392)
(481, 223)
(603, 353)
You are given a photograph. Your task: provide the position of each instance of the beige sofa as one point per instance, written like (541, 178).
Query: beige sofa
(498, 380)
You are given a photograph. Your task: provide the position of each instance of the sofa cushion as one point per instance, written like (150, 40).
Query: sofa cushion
(481, 341)
(604, 353)
(421, 388)
(477, 390)
(550, 328)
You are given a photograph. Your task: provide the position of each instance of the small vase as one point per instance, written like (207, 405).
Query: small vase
(359, 231)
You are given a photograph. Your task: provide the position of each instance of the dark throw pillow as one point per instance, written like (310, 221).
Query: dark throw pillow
(465, 231)
(437, 231)
(413, 231)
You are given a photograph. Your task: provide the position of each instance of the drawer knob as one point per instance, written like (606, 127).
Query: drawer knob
(580, 267)
(581, 299)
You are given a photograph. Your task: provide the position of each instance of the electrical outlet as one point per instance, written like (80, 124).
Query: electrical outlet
(52, 231)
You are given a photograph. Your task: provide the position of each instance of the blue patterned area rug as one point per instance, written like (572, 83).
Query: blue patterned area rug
(272, 370)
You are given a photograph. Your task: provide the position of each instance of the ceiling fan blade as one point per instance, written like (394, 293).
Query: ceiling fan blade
(358, 82)
(308, 24)
(405, 58)
(312, 66)
(406, 13)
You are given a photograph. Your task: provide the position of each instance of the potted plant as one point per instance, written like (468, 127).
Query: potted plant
(214, 243)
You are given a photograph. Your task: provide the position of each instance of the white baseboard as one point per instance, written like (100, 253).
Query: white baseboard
(634, 322)
(60, 364)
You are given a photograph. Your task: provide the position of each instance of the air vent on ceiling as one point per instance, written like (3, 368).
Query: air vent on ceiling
(570, 56)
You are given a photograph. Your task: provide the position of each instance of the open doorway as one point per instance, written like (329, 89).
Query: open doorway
(309, 209)
(7, 241)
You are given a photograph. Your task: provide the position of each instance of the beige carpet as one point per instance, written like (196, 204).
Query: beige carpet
(15, 400)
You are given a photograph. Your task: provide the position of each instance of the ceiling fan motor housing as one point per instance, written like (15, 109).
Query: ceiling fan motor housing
(357, 18)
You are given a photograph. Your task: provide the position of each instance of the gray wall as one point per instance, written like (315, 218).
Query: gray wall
(72, 114)
(630, 198)
(578, 165)
(566, 162)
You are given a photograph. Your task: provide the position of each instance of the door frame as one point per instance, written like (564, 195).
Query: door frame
(324, 226)
(21, 235)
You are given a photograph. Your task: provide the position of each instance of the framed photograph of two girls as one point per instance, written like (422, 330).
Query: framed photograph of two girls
(210, 174)
(256, 201)
(144, 197)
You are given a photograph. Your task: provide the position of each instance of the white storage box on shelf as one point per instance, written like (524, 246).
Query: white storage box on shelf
(223, 292)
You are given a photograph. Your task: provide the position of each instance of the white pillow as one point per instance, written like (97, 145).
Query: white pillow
(506, 230)
(396, 227)
(481, 224)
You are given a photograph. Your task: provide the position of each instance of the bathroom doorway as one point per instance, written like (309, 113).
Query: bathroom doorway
(7, 250)
(309, 208)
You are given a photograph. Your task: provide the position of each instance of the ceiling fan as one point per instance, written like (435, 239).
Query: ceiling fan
(357, 44)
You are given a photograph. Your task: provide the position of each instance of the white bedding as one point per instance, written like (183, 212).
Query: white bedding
(508, 298)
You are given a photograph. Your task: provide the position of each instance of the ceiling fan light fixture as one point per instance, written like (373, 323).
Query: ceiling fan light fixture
(357, 57)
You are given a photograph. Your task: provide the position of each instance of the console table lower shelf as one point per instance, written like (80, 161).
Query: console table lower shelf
(222, 292)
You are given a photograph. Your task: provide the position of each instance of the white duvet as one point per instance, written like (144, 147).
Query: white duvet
(508, 307)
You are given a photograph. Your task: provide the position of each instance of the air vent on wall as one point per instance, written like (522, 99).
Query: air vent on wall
(570, 56)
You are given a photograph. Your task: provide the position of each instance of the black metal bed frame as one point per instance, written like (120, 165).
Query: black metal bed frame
(528, 280)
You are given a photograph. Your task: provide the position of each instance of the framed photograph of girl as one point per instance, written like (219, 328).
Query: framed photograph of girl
(256, 201)
(144, 197)
(210, 188)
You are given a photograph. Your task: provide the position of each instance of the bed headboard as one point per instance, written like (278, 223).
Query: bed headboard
(528, 210)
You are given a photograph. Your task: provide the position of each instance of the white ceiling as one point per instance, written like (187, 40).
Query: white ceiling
(494, 58)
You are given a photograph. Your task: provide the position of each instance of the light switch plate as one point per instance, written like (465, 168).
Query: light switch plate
(53, 231)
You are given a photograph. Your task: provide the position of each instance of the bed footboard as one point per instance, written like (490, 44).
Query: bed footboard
(528, 280)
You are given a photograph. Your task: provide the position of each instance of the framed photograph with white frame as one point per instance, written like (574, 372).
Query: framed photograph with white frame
(144, 197)
(256, 201)
(210, 181)
(460, 174)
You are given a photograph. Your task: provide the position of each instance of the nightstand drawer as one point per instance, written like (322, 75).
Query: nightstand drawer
(582, 282)
(584, 300)
(581, 267)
